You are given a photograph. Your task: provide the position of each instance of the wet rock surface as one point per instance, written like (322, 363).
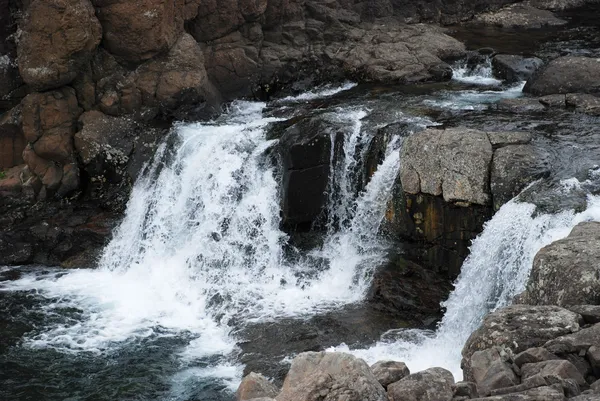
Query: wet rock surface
(566, 75)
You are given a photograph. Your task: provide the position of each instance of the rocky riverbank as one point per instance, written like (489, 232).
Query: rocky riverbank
(538, 351)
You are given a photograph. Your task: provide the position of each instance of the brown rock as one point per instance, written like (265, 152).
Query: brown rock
(388, 372)
(12, 140)
(576, 342)
(255, 385)
(137, 30)
(558, 368)
(217, 18)
(489, 370)
(58, 37)
(533, 355)
(434, 384)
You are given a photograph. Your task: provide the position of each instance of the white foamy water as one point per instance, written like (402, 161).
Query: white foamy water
(325, 91)
(496, 270)
(480, 75)
(200, 246)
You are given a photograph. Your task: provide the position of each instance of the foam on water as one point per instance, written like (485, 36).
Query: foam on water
(325, 91)
(496, 270)
(480, 74)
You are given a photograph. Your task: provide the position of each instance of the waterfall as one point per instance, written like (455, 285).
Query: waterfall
(496, 270)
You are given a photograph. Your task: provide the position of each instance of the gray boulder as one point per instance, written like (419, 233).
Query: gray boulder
(330, 376)
(453, 163)
(533, 355)
(590, 313)
(513, 68)
(489, 370)
(519, 327)
(520, 106)
(434, 384)
(584, 103)
(566, 75)
(555, 368)
(545, 393)
(576, 342)
(255, 385)
(566, 272)
(519, 16)
(388, 372)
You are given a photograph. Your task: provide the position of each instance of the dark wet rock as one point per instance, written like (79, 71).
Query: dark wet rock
(330, 376)
(57, 38)
(513, 168)
(590, 313)
(556, 368)
(519, 327)
(388, 372)
(519, 16)
(434, 384)
(584, 103)
(553, 100)
(533, 355)
(520, 105)
(565, 272)
(586, 397)
(465, 389)
(504, 138)
(12, 140)
(490, 370)
(560, 5)
(255, 385)
(566, 75)
(356, 326)
(514, 68)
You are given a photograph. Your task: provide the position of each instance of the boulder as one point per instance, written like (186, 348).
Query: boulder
(465, 389)
(255, 386)
(519, 16)
(137, 30)
(434, 384)
(590, 313)
(453, 163)
(577, 342)
(533, 355)
(513, 68)
(58, 37)
(513, 168)
(553, 101)
(12, 140)
(327, 376)
(566, 271)
(564, 75)
(520, 106)
(586, 397)
(218, 18)
(545, 393)
(388, 372)
(584, 103)
(556, 368)
(490, 370)
(519, 327)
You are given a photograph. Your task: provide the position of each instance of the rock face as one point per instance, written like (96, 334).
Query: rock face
(519, 327)
(566, 75)
(566, 271)
(388, 372)
(12, 140)
(513, 68)
(433, 384)
(58, 37)
(445, 170)
(330, 376)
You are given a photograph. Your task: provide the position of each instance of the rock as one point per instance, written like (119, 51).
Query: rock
(12, 140)
(501, 139)
(586, 397)
(465, 389)
(453, 163)
(513, 168)
(533, 355)
(513, 68)
(566, 271)
(590, 313)
(330, 376)
(584, 103)
(566, 75)
(558, 368)
(520, 105)
(559, 5)
(219, 18)
(434, 384)
(58, 37)
(489, 370)
(519, 16)
(519, 327)
(137, 30)
(388, 372)
(593, 355)
(255, 386)
(576, 342)
(536, 394)
(553, 100)
(528, 384)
